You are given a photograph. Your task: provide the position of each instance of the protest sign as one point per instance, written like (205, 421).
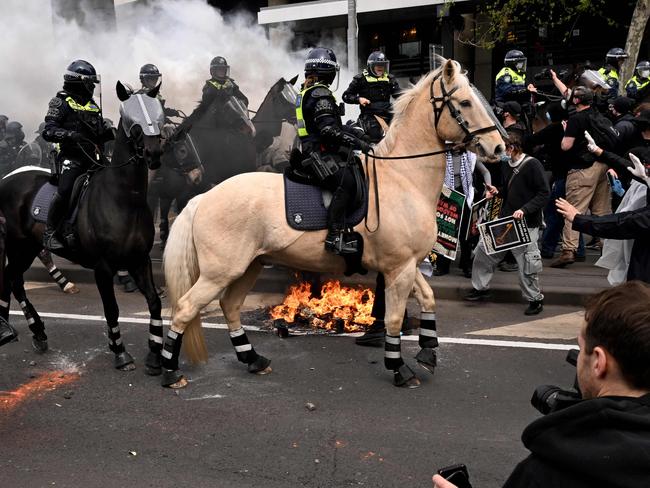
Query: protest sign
(449, 216)
(503, 234)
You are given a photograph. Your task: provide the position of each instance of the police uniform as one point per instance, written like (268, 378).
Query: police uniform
(321, 136)
(222, 88)
(510, 86)
(611, 77)
(637, 88)
(379, 91)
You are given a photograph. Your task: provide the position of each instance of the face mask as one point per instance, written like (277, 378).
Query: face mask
(505, 158)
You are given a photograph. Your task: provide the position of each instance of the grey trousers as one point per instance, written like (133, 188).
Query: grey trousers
(528, 258)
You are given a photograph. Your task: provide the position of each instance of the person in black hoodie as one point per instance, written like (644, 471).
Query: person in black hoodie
(603, 439)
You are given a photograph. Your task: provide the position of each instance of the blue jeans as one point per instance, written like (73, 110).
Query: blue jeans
(555, 222)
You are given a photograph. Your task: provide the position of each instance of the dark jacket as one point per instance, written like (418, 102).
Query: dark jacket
(635, 225)
(222, 90)
(525, 188)
(377, 91)
(599, 442)
(550, 140)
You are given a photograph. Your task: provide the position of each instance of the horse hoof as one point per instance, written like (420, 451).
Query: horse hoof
(404, 376)
(123, 361)
(266, 370)
(39, 344)
(171, 378)
(427, 359)
(411, 384)
(260, 366)
(152, 364)
(70, 288)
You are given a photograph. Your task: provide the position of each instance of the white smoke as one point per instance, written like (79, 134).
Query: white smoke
(179, 36)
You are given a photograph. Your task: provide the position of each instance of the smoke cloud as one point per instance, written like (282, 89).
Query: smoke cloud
(179, 36)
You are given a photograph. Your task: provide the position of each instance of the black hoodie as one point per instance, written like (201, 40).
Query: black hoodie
(600, 442)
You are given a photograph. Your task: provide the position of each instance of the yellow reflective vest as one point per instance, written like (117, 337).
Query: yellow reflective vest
(517, 79)
(302, 126)
(89, 107)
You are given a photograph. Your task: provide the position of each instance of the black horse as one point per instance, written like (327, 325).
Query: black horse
(113, 227)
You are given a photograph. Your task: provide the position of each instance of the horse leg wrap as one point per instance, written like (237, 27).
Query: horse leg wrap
(115, 339)
(4, 309)
(153, 363)
(171, 350)
(402, 375)
(59, 277)
(428, 334)
(393, 352)
(243, 348)
(427, 359)
(39, 338)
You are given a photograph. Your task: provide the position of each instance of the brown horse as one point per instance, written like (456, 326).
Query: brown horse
(218, 244)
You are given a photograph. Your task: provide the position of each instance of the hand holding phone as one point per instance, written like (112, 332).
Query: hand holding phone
(456, 475)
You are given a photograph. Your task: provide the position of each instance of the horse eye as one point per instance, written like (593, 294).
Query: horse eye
(465, 103)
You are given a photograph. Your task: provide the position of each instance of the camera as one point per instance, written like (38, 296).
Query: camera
(549, 398)
(545, 74)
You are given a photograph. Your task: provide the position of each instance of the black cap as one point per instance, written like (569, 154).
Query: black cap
(512, 107)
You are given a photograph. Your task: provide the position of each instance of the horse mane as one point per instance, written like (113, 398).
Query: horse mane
(269, 94)
(403, 102)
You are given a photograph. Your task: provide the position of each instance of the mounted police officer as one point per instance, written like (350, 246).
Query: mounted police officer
(511, 80)
(13, 142)
(639, 85)
(150, 78)
(74, 121)
(611, 71)
(372, 90)
(221, 84)
(321, 136)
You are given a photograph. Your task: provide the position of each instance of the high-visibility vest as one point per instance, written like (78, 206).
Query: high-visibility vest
(517, 79)
(89, 107)
(302, 126)
(639, 85)
(608, 73)
(373, 79)
(219, 86)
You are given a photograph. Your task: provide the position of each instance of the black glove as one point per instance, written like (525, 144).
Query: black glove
(171, 112)
(363, 146)
(107, 125)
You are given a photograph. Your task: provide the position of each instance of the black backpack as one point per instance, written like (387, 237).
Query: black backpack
(603, 131)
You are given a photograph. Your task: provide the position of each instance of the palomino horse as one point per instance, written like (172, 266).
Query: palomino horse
(114, 226)
(218, 244)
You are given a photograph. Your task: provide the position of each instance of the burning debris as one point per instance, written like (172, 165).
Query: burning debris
(339, 308)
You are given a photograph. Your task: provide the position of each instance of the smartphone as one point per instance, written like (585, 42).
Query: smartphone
(456, 474)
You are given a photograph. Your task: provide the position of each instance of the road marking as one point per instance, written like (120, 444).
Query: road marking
(565, 327)
(253, 328)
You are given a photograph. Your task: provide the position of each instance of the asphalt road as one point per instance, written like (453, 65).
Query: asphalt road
(69, 420)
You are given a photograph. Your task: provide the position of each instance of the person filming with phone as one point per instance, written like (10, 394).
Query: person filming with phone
(599, 435)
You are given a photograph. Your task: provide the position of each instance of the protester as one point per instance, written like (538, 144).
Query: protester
(586, 183)
(525, 192)
(603, 439)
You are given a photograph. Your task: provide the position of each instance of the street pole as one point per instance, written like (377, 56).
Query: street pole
(353, 55)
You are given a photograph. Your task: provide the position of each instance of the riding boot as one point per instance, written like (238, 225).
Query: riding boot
(55, 218)
(335, 240)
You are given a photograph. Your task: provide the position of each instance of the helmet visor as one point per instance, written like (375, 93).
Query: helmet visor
(220, 72)
(520, 65)
(379, 68)
(644, 73)
(150, 81)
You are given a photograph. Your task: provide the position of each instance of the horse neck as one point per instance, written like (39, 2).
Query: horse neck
(424, 176)
(267, 117)
(124, 176)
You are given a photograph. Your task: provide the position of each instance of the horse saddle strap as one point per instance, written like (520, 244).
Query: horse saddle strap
(322, 166)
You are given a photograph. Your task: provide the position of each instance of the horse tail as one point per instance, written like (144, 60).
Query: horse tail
(181, 266)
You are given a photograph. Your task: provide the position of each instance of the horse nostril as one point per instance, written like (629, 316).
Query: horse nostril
(498, 150)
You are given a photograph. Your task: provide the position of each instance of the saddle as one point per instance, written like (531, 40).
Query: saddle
(40, 207)
(306, 206)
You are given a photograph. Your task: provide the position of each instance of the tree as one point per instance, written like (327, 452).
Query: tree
(634, 38)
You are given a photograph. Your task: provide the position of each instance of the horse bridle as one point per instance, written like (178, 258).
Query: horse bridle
(439, 103)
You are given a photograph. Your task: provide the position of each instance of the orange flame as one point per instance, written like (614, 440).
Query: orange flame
(352, 305)
(45, 382)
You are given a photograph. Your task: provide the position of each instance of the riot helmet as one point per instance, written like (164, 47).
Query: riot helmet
(81, 75)
(643, 69)
(3, 125)
(150, 76)
(378, 64)
(321, 62)
(515, 60)
(616, 56)
(219, 68)
(14, 132)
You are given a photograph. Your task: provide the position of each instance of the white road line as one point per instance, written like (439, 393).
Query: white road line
(222, 326)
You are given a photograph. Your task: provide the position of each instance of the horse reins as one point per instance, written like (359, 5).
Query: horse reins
(438, 105)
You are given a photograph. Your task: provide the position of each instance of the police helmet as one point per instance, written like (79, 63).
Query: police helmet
(516, 60)
(615, 55)
(82, 73)
(321, 61)
(14, 131)
(219, 68)
(150, 76)
(643, 69)
(377, 59)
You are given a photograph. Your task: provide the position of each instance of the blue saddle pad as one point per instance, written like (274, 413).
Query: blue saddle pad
(306, 211)
(41, 203)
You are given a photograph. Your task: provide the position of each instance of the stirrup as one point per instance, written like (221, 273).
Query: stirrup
(336, 242)
(51, 242)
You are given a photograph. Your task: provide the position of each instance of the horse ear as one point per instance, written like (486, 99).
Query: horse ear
(153, 93)
(449, 70)
(122, 93)
(293, 80)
